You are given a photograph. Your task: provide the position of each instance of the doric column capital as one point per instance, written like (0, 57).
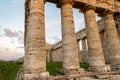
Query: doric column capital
(63, 2)
(104, 13)
(86, 7)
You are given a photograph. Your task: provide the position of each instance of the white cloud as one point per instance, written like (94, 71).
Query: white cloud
(21, 39)
(11, 38)
(10, 33)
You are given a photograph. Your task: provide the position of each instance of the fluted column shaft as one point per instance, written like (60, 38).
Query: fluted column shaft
(117, 22)
(112, 39)
(84, 49)
(95, 54)
(79, 51)
(70, 47)
(119, 31)
(35, 49)
(78, 46)
(104, 46)
(48, 56)
(84, 45)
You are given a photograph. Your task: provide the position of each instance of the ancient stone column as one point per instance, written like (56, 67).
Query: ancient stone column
(112, 39)
(95, 53)
(69, 42)
(51, 53)
(84, 45)
(35, 49)
(117, 18)
(48, 56)
(79, 51)
(104, 46)
(119, 31)
(78, 46)
(84, 49)
(26, 20)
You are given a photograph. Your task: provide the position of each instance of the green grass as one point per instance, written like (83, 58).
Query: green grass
(55, 68)
(8, 70)
(84, 65)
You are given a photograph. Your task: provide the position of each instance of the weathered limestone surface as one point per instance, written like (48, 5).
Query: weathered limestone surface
(104, 46)
(95, 54)
(35, 48)
(84, 50)
(113, 5)
(117, 22)
(57, 45)
(112, 39)
(69, 42)
(48, 52)
(57, 55)
(26, 20)
(79, 51)
(84, 44)
(78, 46)
(81, 35)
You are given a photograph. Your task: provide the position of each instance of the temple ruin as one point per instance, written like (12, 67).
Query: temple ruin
(103, 37)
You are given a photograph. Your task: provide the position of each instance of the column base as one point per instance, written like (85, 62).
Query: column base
(99, 68)
(106, 77)
(42, 76)
(73, 71)
(83, 78)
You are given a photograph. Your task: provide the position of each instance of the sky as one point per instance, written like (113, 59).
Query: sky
(11, 28)
(53, 22)
(12, 24)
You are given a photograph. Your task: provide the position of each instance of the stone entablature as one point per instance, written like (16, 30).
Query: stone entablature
(112, 5)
